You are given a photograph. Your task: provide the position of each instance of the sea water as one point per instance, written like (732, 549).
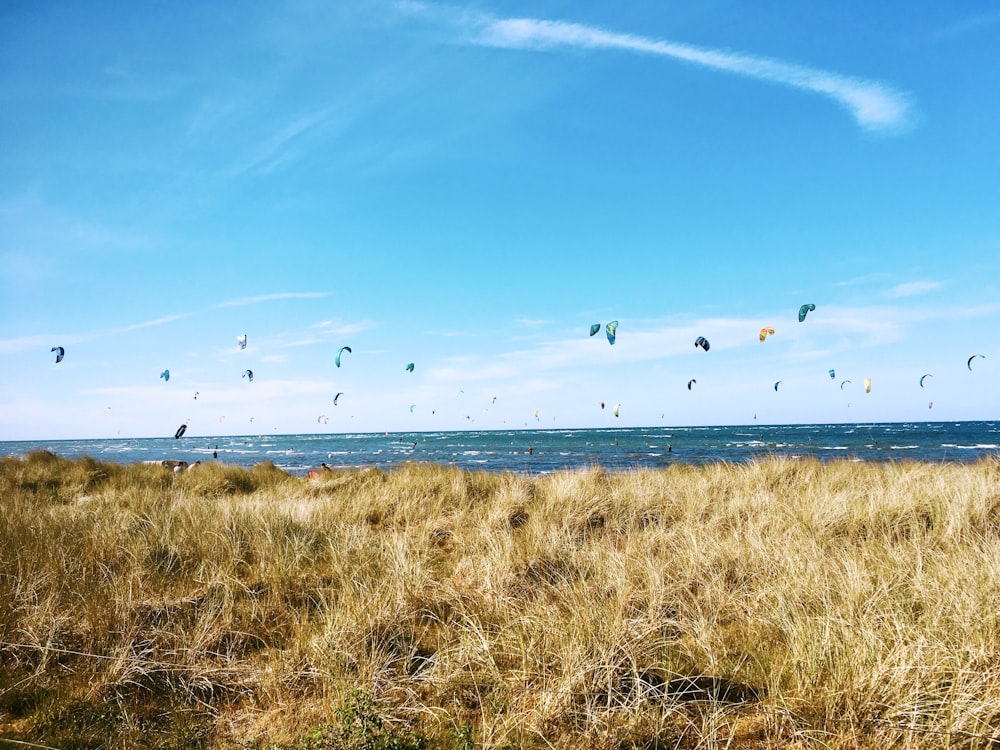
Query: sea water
(544, 451)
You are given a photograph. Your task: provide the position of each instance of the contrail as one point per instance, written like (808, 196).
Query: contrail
(873, 105)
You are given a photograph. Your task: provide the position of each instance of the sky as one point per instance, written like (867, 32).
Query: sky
(468, 187)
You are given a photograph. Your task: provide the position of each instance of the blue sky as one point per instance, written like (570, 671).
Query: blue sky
(468, 188)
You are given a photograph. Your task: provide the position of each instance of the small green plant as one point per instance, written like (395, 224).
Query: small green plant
(359, 726)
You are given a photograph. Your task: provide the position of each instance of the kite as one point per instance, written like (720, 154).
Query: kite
(969, 363)
(339, 394)
(242, 341)
(764, 331)
(691, 382)
(536, 413)
(612, 328)
(868, 385)
(930, 405)
(412, 407)
(843, 384)
(60, 353)
(196, 395)
(702, 342)
(409, 367)
(321, 419)
(342, 349)
(180, 432)
(928, 375)
(805, 310)
(617, 407)
(833, 373)
(602, 404)
(777, 384)
(594, 328)
(165, 375)
(248, 374)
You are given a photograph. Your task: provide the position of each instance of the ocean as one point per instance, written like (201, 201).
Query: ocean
(544, 451)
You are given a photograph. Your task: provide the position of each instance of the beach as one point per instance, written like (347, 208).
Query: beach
(776, 603)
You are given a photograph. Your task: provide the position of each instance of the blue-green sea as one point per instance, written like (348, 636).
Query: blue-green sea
(544, 451)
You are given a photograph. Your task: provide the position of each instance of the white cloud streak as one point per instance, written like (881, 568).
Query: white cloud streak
(913, 288)
(874, 106)
(242, 301)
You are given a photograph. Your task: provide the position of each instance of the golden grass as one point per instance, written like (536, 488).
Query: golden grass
(777, 604)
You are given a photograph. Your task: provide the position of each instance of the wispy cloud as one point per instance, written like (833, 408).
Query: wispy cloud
(913, 288)
(870, 278)
(43, 341)
(243, 301)
(969, 24)
(280, 148)
(341, 328)
(156, 322)
(875, 106)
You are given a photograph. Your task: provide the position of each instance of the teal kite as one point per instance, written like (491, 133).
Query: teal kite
(612, 329)
(342, 349)
(805, 310)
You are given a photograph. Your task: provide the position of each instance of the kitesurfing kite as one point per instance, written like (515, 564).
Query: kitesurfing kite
(833, 373)
(702, 342)
(691, 382)
(617, 407)
(248, 374)
(165, 375)
(777, 384)
(412, 407)
(242, 341)
(321, 419)
(594, 328)
(339, 394)
(805, 310)
(764, 331)
(180, 431)
(342, 349)
(409, 367)
(868, 385)
(612, 328)
(843, 384)
(602, 404)
(969, 363)
(922, 377)
(60, 352)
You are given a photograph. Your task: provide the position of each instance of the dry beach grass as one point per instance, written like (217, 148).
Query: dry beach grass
(775, 604)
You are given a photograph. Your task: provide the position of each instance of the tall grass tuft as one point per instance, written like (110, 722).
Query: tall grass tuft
(775, 604)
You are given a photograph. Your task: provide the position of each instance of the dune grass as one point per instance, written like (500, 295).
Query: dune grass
(775, 604)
